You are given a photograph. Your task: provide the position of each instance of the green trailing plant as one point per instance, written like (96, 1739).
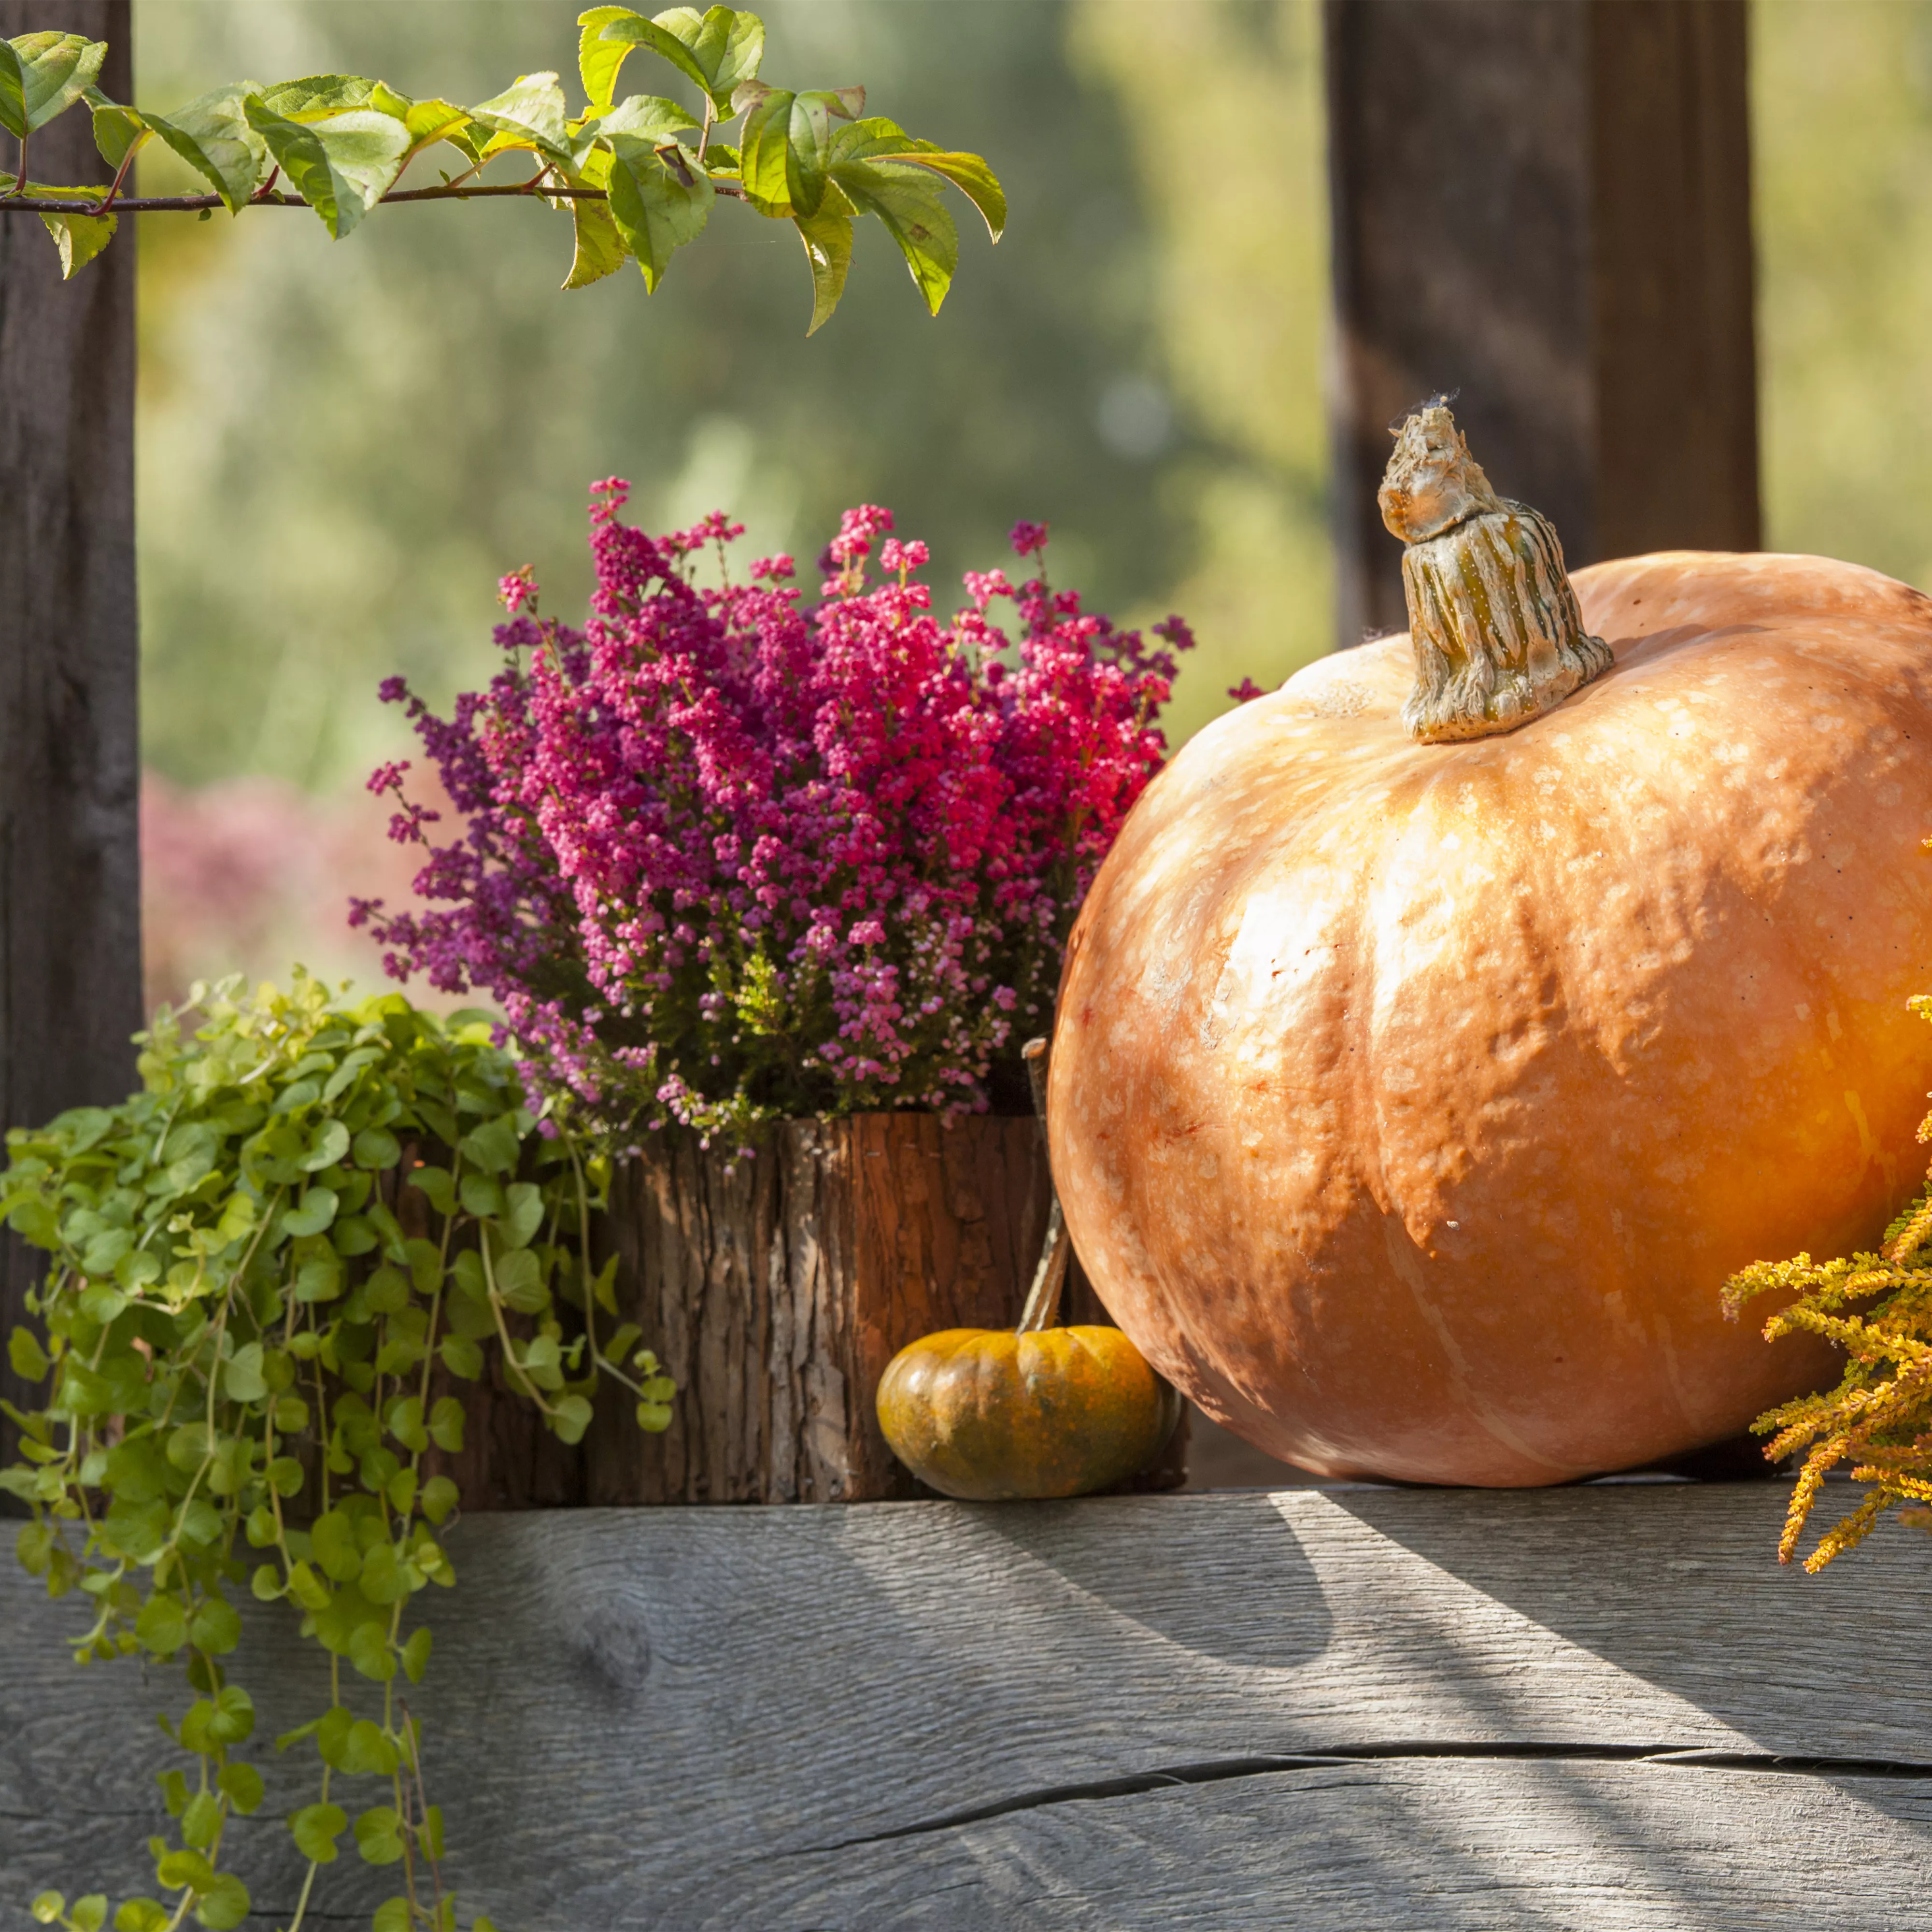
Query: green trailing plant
(273, 1271)
(638, 174)
(1878, 1309)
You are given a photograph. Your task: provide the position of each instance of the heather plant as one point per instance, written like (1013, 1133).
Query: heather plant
(638, 175)
(273, 1271)
(731, 854)
(1878, 1309)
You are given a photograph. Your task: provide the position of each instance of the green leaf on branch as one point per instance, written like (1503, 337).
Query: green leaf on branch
(214, 135)
(316, 96)
(727, 45)
(827, 236)
(598, 59)
(875, 138)
(118, 131)
(43, 75)
(428, 121)
(660, 198)
(341, 166)
(764, 154)
(719, 50)
(530, 115)
(973, 179)
(906, 198)
(600, 248)
(649, 116)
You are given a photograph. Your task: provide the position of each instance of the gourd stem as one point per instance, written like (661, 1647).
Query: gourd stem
(1049, 1280)
(1493, 618)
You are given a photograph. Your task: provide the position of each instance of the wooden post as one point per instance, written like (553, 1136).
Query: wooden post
(69, 888)
(1545, 207)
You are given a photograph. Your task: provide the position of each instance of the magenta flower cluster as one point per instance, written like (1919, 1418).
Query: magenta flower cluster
(732, 854)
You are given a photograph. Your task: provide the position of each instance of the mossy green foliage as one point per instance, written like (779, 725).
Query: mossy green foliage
(1877, 1308)
(259, 1262)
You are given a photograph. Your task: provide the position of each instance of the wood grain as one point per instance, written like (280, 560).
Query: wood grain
(1343, 1707)
(70, 888)
(776, 1290)
(1546, 209)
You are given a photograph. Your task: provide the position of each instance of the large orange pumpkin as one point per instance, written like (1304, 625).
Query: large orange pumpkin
(1411, 1102)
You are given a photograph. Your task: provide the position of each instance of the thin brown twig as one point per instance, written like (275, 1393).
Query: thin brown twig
(14, 202)
(107, 200)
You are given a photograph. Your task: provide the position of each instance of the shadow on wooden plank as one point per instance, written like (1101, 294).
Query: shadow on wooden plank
(1332, 1708)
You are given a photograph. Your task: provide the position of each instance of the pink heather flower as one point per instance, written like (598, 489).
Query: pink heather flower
(983, 586)
(1027, 539)
(516, 589)
(723, 859)
(773, 567)
(1246, 691)
(608, 496)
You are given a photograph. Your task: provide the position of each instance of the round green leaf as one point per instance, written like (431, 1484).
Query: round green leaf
(315, 1829)
(162, 1626)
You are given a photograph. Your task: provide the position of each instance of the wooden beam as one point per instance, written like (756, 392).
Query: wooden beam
(1545, 208)
(1603, 1706)
(69, 765)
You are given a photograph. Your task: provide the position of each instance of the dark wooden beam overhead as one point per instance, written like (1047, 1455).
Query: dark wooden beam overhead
(1544, 205)
(70, 886)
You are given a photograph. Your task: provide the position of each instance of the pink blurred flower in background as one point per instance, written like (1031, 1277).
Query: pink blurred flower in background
(250, 875)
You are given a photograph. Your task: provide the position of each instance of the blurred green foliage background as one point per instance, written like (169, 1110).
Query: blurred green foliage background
(343, 446)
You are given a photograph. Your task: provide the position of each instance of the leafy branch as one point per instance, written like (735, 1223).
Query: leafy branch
(638, 176)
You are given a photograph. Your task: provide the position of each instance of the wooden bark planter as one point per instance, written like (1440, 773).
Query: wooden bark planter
(775, 1291)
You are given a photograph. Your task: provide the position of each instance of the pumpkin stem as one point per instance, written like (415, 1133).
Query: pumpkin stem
(1042, 1301)
(1498, 637)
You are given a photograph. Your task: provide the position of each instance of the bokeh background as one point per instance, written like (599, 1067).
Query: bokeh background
(343, 446)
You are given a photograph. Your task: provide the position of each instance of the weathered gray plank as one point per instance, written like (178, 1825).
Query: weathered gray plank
(767, 1718)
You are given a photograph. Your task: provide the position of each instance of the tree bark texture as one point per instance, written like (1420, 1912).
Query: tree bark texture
(1544, 206)
(775, 1291)
(69, 888)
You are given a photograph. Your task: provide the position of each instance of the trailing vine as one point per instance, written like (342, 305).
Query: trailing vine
(638, 176)
(1878, 1309)
(273, 1270)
